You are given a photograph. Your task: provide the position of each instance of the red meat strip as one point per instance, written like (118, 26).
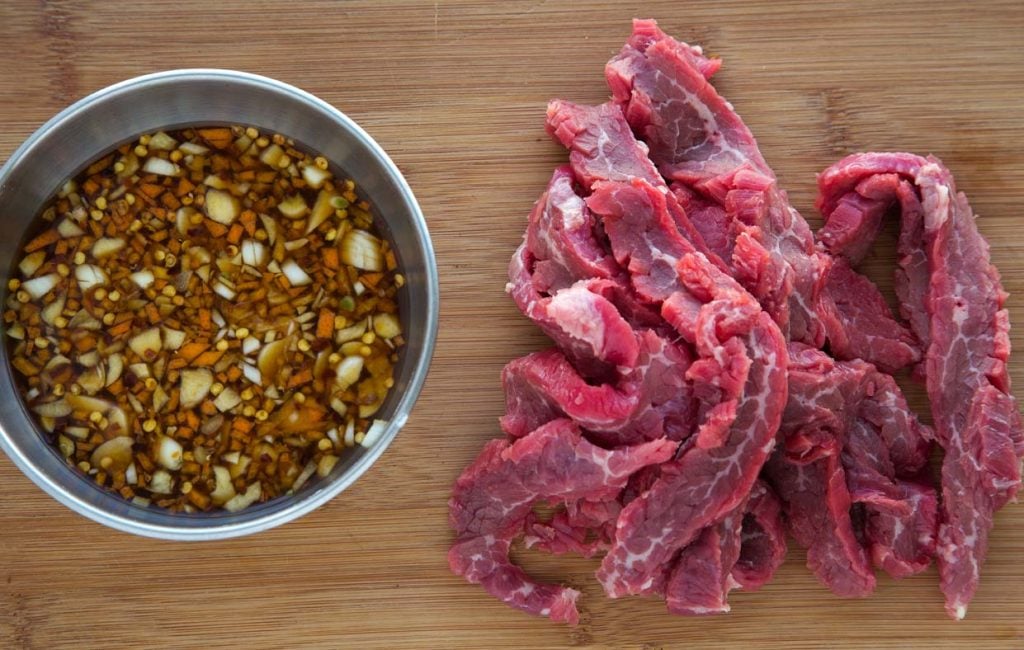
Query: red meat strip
(860, 325)
(560, 237)
(651, 400)
(977, 421)
(739, 376)
(493, 499)
(849, 438)
(602, 148)
(584, 324)
(699, 143)
(700, 579)
(763, 539)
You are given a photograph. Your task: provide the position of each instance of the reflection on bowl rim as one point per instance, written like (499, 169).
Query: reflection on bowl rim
(311, 498)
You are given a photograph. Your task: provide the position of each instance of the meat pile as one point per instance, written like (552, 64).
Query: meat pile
(721, 376)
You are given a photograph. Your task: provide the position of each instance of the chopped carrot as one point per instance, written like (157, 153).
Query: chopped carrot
(248, 221)
(331, 258)
(185, 186)
(43, 240)
(371, 279)
(218, 137)
(234, 373)
(152, 190)
(205, 319)
(325, 324)
(208, 358)
(208, 408)
(90, 186)
(152, 313)
(304, 376)
(244, 425)
(218, 230)
(170, 201)
(191, 350)
(235, 233)
(116, 388)
(120, 329)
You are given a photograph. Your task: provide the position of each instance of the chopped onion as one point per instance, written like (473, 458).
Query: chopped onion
(69, 228)
(106, 246)
(161, 142)
(31, 263)
(348, 371)
(221, 207)
(252, 373)
(161, 167)
(373, 434)
(223, 291)
(254, 253)
(296, 276)
(192, 148)
(143, 278)
(362, 250)
(89, 276)
(39, 287)
(169, 453)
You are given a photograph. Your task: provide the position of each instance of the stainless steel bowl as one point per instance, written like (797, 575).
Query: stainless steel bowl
(167, 100)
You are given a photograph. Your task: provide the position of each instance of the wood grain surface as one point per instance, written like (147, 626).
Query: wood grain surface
(456, 93)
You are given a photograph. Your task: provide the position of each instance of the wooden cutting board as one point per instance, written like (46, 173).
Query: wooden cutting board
(456, 93)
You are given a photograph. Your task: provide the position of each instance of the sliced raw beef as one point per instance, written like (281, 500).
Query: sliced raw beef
(693, 133)
(976, 419)
(585, 527)
(739, 377)
(560, 237)
(701, 577)
(763, 540)
(860, 325)
(602, 148)
(650, 400)
(699, 142)
(689, 414)
(850, 438)
(494, 497)
(585, 325)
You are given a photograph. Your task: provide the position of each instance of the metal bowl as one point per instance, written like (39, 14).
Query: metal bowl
(168, 100)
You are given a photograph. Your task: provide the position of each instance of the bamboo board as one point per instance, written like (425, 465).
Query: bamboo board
(456, 93)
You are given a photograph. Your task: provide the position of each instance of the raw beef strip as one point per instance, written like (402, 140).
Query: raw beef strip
(701, 578)
(602, 148)
(494, 497)
(763, 539)
(849, 438)
(976, 419)
(649, 401)
(585, 527)
(900, 549)
(739, 377)
(585, 325)
(693, 133)
(860, 325)
(817, 505)
(808, 475)
(698, 141)
(560, 237)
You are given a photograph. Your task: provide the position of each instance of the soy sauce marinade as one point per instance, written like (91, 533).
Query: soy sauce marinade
(204, 319)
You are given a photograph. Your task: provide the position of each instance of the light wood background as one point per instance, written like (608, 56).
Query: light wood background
(456, 93)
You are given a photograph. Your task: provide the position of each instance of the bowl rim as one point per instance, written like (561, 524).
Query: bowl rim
(315, 498)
